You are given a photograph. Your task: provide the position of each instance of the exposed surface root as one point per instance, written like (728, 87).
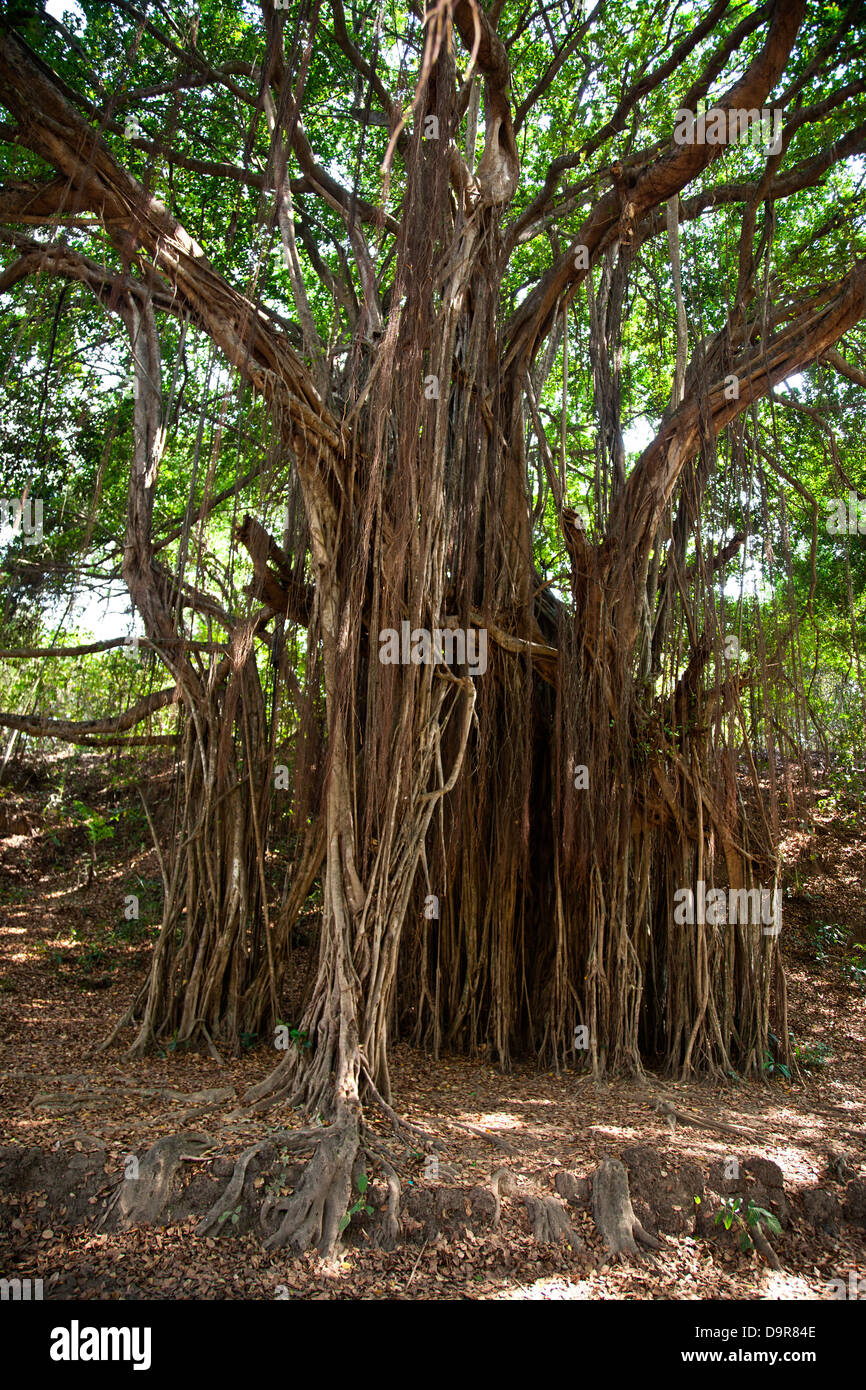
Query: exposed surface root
(404, 1129)
(276, 1086)
(232, 1193)
(613, 1213)
(577, 1191)
(549, 1221)
(319, 1186)
(146, 1190)
(388, 1235)
(314, 1213)
(763, 1246)
(501, 1184)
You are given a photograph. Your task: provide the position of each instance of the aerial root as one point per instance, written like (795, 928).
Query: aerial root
(404, 1129)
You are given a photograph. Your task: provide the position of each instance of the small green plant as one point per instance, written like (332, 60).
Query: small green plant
(51, 954)
(234, 1215)
(824, 935)
(97, 826)
(746, 1220)
(795, 888)
(92, 959)
(14, 894)
(809, 1056)
(129, 932)
(280, 1182)
(248, 1041)
(172, 1046)
(360, 1205)
(771, 1065)
(299, 1036)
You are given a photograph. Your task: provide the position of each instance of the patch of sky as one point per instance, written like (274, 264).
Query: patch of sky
(68, 12)
(638, 434)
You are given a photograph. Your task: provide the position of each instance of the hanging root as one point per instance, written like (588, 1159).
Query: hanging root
(613, 1213)
(404, 1129)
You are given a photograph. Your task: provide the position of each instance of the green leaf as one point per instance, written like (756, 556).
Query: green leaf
(344, 1221)
(363, 1182)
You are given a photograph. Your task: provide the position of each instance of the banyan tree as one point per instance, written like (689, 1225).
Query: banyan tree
(425, 265)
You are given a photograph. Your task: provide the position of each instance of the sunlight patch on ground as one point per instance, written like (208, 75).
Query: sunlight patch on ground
(551, 1289)
(779, 1284)
(791, 1158)
(498, 1120)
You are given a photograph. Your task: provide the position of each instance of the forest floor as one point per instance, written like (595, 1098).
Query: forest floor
(70, 961)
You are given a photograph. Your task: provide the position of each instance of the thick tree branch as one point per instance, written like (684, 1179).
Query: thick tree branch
(499, 167)
(834, 358)
(42, 727)
(619, 213)
(52, 129)
(795, 347)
